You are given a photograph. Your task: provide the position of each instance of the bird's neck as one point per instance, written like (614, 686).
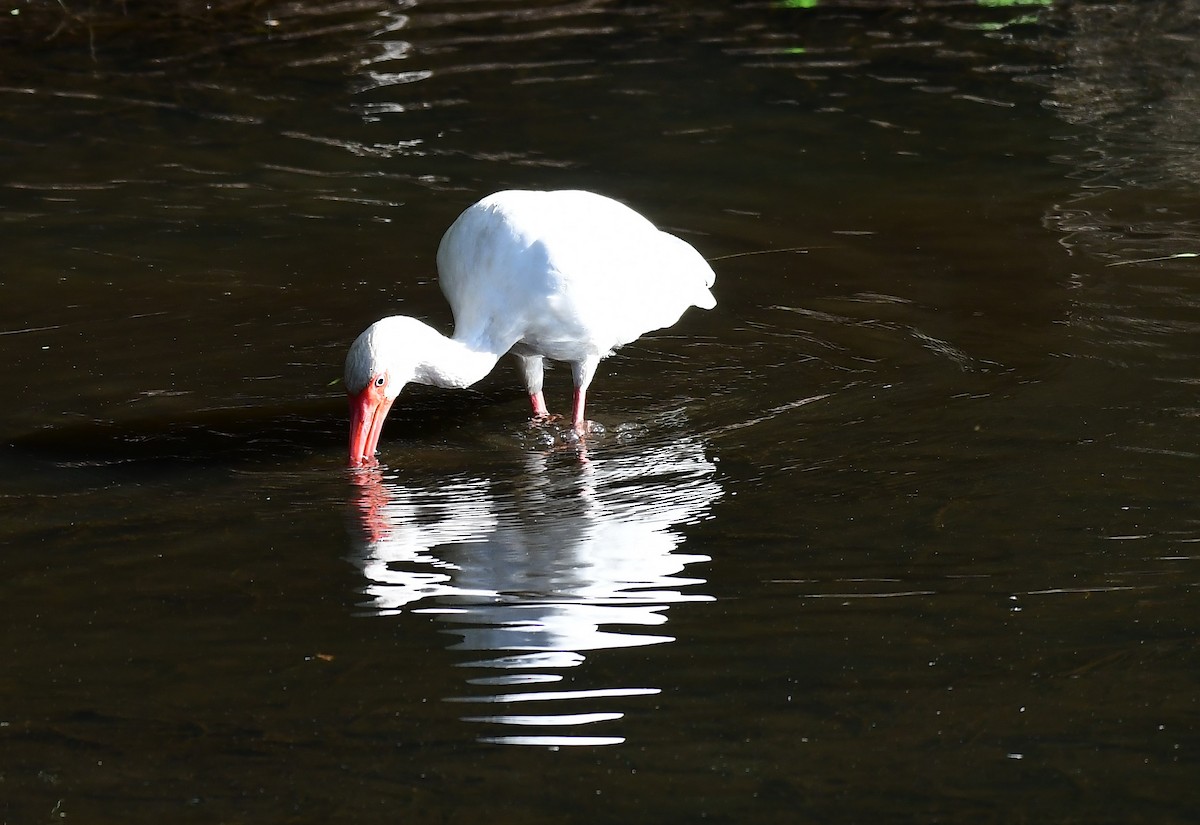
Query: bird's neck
(447, 362)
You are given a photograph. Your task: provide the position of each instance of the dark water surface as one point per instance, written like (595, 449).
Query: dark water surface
(904, 530)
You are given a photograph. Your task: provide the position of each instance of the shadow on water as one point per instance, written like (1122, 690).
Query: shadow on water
(568, 558)
(235, 435)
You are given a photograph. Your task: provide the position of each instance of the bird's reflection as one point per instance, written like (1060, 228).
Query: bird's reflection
(564, 558)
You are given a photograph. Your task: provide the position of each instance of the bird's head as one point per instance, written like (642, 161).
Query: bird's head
(377, 368)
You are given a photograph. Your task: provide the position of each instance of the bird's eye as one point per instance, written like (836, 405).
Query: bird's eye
(379, 382)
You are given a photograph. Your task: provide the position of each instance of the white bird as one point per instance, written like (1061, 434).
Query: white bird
(566, 275)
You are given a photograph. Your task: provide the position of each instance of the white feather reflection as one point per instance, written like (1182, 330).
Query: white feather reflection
(562, 560)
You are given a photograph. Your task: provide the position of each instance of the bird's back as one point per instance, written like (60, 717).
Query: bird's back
(565, 273)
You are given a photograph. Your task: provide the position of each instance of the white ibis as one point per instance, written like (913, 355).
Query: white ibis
(566, 275)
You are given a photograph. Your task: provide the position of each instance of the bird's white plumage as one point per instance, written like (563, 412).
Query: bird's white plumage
(566, 275)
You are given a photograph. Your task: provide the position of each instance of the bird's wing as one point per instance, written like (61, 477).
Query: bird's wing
(569, 274)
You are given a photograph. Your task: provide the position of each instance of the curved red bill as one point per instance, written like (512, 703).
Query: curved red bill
(368, 410)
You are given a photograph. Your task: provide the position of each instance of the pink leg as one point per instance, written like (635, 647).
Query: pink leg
(577, 415)
(539, 404)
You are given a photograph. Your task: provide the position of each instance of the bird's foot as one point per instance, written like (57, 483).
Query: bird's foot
(579, 434)
(581, 428)
(586, 428)
(557, 432)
